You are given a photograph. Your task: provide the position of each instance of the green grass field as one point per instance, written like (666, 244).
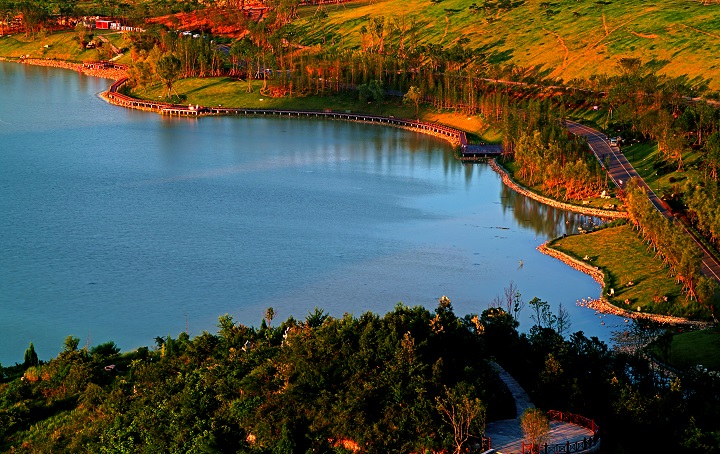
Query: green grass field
(625, 259)
(60, 46)
(230, 92)
(562, 39)
(693, 349)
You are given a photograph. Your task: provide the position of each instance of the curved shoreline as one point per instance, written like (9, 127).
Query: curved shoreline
(603, 305)
(509, 182)
(114, 72)
(454, 136)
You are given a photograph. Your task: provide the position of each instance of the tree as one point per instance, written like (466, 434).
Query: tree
(372, 90)
(464, 414)
(413, 96)
(34, 15)
(712, 155)
(269, 315)
(168, 69)
(83, 35)
(71, 344)
(105, 350)
(31, 358)
(536, 427)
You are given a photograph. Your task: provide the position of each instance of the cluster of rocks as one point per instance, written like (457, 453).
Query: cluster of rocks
(114, 72)
(508, 181)
(601, 304)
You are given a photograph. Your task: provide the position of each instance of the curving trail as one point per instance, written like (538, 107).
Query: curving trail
(620, 171)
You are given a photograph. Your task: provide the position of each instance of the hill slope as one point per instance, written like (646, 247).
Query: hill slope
(562, 39)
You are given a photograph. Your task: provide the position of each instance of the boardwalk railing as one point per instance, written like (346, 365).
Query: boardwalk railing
(586, 444)
(454, 136)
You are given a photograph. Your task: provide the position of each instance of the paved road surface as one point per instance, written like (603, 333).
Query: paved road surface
(621, 171)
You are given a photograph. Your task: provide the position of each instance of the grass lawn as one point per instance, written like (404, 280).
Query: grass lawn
(230, 92)
(60, 46)
(694, 348)
(624, 258)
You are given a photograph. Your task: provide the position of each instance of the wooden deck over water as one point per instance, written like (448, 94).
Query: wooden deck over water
(458, 138)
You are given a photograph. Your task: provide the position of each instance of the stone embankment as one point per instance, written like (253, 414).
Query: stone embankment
(603, 305)
(509, 182)
(107, 71)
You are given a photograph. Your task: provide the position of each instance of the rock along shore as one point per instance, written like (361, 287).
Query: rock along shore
(114, 72)
(509, 182)
(602, 304)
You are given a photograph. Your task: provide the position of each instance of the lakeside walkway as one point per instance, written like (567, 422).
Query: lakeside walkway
(507, 435)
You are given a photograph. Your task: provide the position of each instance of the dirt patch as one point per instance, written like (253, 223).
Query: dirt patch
(642, 35)
(700, 31)
(227, 22)
(562, 44)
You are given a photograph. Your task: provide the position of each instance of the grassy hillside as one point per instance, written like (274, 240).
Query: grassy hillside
(58, 46)
(562, 39)
(631, 262)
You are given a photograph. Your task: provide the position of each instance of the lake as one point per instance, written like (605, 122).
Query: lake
(124, 225)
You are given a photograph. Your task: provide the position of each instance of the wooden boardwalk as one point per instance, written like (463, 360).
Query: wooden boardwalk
(507, 436)
(455, 136)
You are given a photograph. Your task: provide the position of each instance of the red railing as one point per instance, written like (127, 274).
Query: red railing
(584, 444)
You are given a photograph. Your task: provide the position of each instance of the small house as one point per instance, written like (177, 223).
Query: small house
(103, 24)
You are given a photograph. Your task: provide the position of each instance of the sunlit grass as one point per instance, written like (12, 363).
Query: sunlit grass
(564, 39)
(624, 258)
(60, 46)
(229, 92)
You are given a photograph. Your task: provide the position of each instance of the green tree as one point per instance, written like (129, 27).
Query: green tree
(536, 427)
(30, 358)
(83, 35)
(413, 96)
(105, 350)
(169, 68)
(71, 344)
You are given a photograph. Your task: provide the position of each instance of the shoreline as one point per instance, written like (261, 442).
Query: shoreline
(456, 137)
(509, 182)
(602, 304)
(116, 72)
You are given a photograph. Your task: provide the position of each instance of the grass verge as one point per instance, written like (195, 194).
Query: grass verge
(230, 92)
(692, 349)
(637, 277)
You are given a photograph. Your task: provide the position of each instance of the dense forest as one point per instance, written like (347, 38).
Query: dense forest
(381, 383)
(367, 384)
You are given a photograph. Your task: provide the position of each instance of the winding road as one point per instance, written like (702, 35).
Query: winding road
(620, 171)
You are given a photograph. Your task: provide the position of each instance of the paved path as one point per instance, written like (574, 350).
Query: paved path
(507, 435)
(621, 171)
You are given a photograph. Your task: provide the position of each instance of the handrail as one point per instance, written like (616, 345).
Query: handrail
(555, 415)
(459, 137)
(585, 444)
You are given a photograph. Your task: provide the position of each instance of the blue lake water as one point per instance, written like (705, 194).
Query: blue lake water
(123, 225)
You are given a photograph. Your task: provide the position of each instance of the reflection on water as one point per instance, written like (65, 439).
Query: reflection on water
(543, 219)
(123, 225)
